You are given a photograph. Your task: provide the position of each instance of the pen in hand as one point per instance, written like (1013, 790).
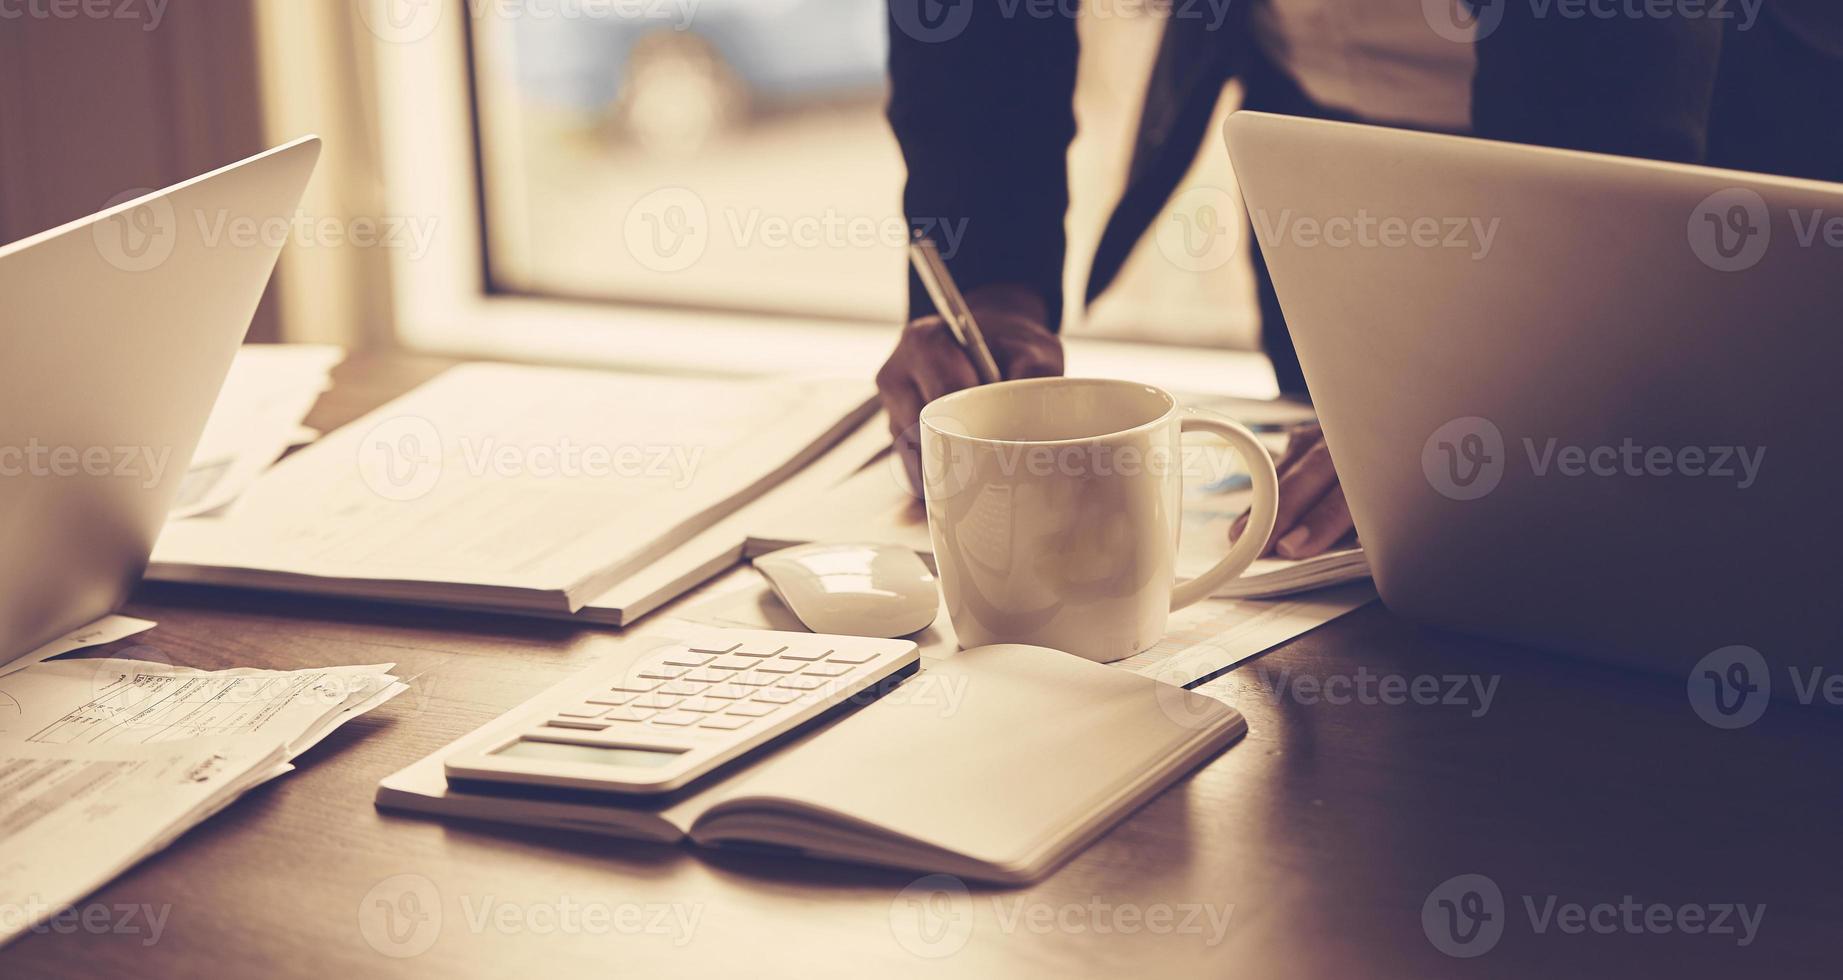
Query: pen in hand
(952, 306)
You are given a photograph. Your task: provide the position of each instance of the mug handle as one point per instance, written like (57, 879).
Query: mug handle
(1260, 517)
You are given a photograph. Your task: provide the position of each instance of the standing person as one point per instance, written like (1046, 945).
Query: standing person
(981, 103)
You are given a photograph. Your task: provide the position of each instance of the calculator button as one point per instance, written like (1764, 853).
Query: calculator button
(777, 666)
(847, 657)
(813, 653)
(732, 663)
(634, 686)
(713, 646)
(628, 714)
(662, 673)
(775, 695)
(827, 670)
(729, 692)
(751, 710)
(678, 719)
(655, 701)
(577, 724)
(753, 679)
(611, 698)
(706, 676)
(802, 683)
(704, 706)
(681, 688)
(584, 724)
(689, 659)
(759, 649)
(724, 723)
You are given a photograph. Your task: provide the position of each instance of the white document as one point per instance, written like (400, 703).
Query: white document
(874, 507)
(508, 486)
(721, 546)
(74, 816)
(257, 418)
(102, 701)
(108, 629)
(1216, 634)
(105, 761)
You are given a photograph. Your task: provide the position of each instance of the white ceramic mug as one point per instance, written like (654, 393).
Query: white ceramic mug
(1055, 506)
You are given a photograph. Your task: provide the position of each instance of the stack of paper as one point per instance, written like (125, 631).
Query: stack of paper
(257, 418)
(720, 547)
(1270, 578)
(513, 488)
(104, 762)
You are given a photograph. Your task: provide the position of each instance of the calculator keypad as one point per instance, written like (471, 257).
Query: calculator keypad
(696, 707)
(719, 686)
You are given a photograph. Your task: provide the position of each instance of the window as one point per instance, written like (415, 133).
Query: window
(722, 153)
(732, 154)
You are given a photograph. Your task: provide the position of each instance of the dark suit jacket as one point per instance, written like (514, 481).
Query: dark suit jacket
(981, 90)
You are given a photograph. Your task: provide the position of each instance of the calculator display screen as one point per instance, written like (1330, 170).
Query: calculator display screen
(601, 755)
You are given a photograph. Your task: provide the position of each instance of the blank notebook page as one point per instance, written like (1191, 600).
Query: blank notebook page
(996, 753)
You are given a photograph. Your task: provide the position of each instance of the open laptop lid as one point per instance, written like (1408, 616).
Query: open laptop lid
(1486, 328)
(117, 333)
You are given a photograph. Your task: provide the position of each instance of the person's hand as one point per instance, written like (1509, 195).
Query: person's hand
(928, 363)
(1312, 513)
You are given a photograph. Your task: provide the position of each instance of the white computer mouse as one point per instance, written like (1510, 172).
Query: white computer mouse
(872, 590)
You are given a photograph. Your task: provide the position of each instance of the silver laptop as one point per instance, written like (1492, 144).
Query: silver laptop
(116, 333)
(1580, 402)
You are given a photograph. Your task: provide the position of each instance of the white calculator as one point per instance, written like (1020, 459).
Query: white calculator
(656, 724)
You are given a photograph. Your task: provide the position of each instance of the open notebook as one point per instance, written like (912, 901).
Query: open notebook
(513, 488)
(875, 506)
(994, 764)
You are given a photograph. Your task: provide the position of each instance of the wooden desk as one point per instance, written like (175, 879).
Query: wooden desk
(1319, 837)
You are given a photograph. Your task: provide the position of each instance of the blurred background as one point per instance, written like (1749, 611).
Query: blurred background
(565, 178)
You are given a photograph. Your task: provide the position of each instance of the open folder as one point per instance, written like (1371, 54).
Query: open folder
(513, 488)
(994, 764)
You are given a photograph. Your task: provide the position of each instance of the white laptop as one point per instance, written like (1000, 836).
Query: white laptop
(115, 335)
(1581, 402)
